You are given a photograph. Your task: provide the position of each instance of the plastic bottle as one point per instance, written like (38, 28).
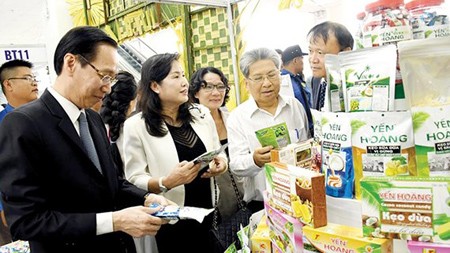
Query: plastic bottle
(428, 19)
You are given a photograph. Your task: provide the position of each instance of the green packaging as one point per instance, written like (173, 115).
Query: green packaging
(368, 77)
(408, 208)
(432, 139)
(276, 136)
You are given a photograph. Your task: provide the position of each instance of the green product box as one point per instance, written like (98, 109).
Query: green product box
(409, 208)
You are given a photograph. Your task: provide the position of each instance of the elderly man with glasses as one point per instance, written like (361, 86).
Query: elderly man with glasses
(265, 108)
(18, 84)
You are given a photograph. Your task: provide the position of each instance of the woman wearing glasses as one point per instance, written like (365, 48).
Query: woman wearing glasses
(265, 108)
(160, 143)
(209, 87)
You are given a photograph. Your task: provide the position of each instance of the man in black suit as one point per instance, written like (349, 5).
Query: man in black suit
(325, 38)
(55, 194)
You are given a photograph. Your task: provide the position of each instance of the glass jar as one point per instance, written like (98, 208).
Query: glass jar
(387, 22)
(372, 24)
(428, 19)
(359, 35)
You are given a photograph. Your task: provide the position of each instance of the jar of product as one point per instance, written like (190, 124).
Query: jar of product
(387, 22)
(372, 23)
(428, 19)
(359, 37)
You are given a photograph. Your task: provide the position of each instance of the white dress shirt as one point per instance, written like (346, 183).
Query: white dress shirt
(241, 126)
(104, 220)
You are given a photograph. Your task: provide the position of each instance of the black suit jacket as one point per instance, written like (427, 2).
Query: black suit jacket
(315, 90)
(51, 189)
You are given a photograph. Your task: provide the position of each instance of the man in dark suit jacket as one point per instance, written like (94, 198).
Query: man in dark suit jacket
(53, 193)
(325, 38)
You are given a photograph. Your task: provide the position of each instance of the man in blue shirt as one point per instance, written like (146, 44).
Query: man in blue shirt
(18, 84)
(292, 58)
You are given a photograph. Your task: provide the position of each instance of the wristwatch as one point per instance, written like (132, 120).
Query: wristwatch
(162, 188)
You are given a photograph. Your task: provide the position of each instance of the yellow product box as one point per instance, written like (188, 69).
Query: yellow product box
(297, 192)
(261, 238)
(334, 238)
(409, 208)
(297, 154)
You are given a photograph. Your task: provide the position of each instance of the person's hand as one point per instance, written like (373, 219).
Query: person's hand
(216, 167)
(137, 221)
(154, 198)
(261, 156)
(184, 173)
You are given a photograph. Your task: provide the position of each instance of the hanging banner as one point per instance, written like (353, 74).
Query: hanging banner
(34, 53)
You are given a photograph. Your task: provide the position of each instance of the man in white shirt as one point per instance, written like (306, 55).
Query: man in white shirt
(265, 108)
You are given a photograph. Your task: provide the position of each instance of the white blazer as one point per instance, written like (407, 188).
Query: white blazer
(148, 156)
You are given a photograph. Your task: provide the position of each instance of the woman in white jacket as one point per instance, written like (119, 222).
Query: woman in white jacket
(160, 143)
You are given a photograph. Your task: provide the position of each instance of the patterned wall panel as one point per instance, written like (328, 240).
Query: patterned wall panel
(210, 40)
(116, 6)
(132, 23)
(219, 57)
(131, 3)
(129, 19)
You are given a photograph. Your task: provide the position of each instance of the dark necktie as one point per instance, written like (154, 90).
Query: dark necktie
(87, 141)
(322, 91)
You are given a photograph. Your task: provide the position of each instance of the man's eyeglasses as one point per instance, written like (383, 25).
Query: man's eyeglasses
(106, 79)
(209, 87)
(30, 79)
(272, 77)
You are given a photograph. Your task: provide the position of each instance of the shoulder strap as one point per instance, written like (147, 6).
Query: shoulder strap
(241, 203)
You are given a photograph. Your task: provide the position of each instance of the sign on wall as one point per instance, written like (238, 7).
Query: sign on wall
(34, 53)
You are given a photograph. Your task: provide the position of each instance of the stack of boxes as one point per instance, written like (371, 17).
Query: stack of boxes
(295, 207)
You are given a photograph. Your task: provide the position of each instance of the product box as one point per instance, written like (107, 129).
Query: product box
(334, 238)
(260, 239)
(426, 247)
(285, 230)
(410, 208)
(297, 154)
(297, 192)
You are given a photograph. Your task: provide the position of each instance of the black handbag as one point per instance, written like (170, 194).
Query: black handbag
(225, 233)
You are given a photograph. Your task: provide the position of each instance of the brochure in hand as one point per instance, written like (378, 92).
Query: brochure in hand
(173, 212)
(207, 157)
(276, 136)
